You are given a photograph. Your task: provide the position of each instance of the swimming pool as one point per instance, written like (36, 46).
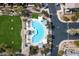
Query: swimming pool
(39, 32)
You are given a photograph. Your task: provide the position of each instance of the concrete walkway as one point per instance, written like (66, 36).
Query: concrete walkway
(25, 50)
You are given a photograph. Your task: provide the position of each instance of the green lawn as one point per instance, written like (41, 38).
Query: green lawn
(34, 15)
(7, 35)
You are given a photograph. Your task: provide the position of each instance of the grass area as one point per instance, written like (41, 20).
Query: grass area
(10, 27)
(34, 15)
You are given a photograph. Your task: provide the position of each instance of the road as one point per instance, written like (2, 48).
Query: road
(60, 29)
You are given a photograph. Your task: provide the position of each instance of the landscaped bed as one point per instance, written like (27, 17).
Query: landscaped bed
(73, 17)
(76, 43)
(10, 28)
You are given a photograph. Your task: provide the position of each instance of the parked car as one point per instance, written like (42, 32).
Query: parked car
(51, 15)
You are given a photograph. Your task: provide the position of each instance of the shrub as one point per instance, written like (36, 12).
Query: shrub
(65, 18)
(74, 18)
(60, 53)
(76, 43)
(77, 15)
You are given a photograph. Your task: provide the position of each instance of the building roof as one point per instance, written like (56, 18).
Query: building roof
(72, 52)
(72, 5)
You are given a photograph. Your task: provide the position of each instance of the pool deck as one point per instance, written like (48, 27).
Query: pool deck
(27, 39)
(44, 40)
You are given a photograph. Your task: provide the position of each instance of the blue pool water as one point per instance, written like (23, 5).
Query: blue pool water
(39, 32)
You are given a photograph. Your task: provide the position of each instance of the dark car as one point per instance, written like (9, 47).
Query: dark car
(50, 16)
(57, 4)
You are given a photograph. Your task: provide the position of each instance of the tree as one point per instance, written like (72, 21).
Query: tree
(49, 38)
(45, 13)
(42, 52)
(33, 50)
(63, 4)
(2, 50)
(26, 13)
(50, 25)
(46, 49)
(36, 5)
(19, 9)
(6, 48)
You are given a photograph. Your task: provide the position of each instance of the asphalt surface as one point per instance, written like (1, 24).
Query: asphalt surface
(60, 29)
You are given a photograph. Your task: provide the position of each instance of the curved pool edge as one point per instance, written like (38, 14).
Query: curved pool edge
(44, 33)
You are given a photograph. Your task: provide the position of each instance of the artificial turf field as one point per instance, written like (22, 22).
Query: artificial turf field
(10, 28)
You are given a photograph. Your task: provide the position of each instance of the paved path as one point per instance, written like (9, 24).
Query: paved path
(25, 50)
(60, 29)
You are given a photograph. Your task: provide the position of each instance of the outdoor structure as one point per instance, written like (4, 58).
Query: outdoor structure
(71, 52)
(38, 30)
(69, 12)
(70, 8)
(68, 48)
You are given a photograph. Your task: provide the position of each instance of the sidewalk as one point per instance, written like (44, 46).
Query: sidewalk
(25, 50)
